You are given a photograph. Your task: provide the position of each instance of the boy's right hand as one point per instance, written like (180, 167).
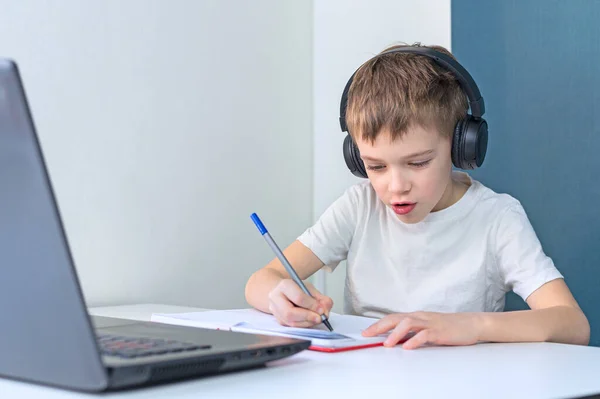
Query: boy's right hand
(292, 307)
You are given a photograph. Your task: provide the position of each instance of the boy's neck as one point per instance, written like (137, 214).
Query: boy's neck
(455, 190)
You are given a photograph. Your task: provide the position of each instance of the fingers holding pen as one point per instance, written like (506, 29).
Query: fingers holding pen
(325, 302)
(292, 307)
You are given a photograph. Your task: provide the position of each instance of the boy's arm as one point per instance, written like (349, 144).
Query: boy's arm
(272, 291)
(554, 316)
(262, 282)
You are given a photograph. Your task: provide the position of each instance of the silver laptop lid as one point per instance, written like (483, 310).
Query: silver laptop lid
(46, 332)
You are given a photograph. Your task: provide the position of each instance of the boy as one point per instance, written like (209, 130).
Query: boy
(428, 249)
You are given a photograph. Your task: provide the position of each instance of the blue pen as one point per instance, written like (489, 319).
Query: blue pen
(263, 230)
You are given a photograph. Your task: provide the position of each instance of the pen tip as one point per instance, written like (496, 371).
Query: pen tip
(328, 325)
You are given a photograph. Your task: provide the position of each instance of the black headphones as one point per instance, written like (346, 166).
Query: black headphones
(469, 142)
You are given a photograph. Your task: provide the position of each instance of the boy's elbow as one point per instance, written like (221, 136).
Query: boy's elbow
(582, 330)
(258, 287)
(585, 331)
(570, 327)
(583, 337)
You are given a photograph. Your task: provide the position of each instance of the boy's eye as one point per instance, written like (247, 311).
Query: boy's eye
(420, 164)
(375, 167)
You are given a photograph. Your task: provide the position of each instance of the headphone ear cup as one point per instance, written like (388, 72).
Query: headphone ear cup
(352, 158)
(479, 129)
(469, 144)
(456, 146)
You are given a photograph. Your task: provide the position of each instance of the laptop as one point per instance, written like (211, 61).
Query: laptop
(47, 335)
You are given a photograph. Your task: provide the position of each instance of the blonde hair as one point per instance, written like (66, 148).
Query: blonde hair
(392, 92)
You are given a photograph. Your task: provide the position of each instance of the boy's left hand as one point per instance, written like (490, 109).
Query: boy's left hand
(428, 328)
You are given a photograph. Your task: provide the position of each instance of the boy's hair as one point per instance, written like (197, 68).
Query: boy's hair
(393, 92)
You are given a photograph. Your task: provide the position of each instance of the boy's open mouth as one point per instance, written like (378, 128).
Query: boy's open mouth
(403, 208)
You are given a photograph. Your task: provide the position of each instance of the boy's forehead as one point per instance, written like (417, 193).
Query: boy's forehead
(413, 136)
(413, 142)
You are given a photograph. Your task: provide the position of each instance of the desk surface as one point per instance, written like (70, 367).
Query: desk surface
(529, 370)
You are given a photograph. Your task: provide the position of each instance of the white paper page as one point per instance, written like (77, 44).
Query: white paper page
(346, 325)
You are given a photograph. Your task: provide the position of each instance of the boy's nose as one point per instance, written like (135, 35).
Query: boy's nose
(399, 184)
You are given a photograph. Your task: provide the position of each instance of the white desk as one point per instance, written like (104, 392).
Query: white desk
(504, 371)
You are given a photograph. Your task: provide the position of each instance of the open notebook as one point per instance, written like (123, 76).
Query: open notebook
(346, 334)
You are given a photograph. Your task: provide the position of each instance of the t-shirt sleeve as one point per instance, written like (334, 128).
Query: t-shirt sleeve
(522, 262)
(330, 237)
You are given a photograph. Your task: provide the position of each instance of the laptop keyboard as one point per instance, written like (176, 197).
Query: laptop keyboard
(132, 347)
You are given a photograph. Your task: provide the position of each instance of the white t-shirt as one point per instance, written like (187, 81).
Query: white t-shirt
(461, 259)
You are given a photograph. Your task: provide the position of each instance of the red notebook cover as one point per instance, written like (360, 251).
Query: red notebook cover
(347, 348)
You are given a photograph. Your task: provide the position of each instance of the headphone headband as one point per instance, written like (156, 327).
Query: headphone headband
(464, 78)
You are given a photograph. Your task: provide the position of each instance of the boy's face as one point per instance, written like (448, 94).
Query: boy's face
(412, 174)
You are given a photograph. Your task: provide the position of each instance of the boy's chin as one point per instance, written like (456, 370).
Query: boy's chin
(409, 219)
(413, 217)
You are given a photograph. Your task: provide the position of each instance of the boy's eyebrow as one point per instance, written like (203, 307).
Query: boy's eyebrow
(415, 155)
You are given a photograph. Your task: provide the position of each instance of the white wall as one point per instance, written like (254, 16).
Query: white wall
(165, 124)
(343, 38)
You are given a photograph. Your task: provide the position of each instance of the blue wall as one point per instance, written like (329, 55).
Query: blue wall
(537, 64)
